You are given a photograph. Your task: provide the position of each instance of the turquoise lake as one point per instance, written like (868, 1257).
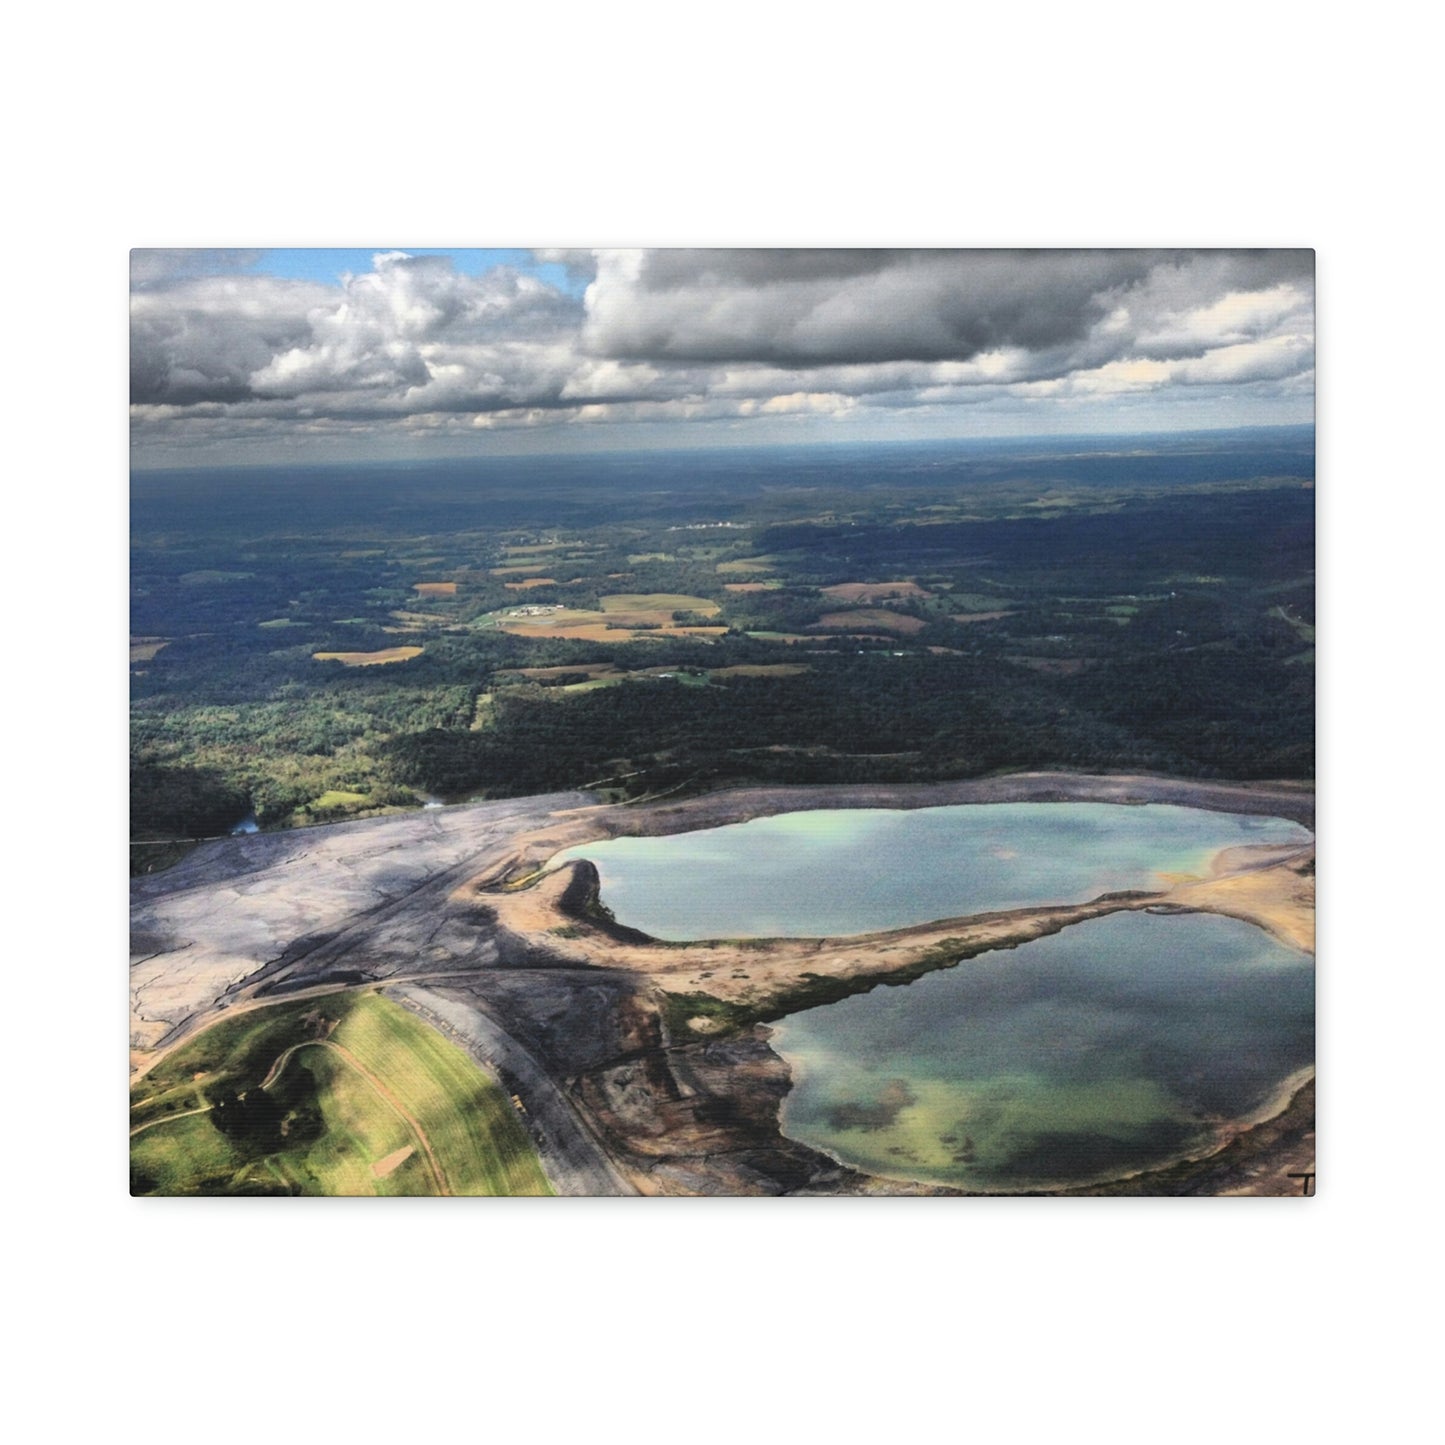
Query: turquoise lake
(841, 871)
(1120, 1044)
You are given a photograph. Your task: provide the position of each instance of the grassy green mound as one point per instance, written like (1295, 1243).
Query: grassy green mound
(348, 1095)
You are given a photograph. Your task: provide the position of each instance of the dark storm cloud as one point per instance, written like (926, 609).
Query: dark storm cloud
(803, 309)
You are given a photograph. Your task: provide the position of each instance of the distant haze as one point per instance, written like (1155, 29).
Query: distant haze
(262, 357)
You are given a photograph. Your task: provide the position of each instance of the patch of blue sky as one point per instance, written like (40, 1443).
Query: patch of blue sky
(328, 264)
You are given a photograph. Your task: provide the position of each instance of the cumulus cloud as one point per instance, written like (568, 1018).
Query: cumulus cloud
(200, 340)
(410, 334)
(414, 343)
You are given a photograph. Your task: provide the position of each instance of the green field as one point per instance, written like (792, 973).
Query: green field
(743, 565)
(351, 1095)
(667, 602)
(337, 798)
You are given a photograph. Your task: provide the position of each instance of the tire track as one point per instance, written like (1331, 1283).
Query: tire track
(386, 1095)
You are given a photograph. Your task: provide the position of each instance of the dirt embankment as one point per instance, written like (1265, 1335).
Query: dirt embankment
(730, 981)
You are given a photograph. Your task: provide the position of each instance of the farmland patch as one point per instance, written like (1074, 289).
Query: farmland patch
(874, 591)
(748, 564)
(369, 659)
(974, 601)
(761, 669)
(618, 630)
(205, 577)
(651, 602)
(872, 617)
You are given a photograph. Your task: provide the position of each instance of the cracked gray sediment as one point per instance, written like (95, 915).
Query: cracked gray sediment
(295, 910)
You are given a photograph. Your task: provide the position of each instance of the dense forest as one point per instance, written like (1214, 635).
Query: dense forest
(333, 643)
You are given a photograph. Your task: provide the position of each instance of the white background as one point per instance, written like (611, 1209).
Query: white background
(169, 124)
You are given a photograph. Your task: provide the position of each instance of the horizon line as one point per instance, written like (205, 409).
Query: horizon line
(819, 445)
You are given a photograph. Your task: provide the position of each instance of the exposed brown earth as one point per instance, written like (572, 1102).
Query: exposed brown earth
(621, 631)
(539, 674)
(369, 659)
(392, 1162)
(760, 669)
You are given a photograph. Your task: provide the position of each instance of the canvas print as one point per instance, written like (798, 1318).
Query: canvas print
(722, 722)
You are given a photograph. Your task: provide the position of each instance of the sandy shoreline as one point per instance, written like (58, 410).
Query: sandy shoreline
(558, 912)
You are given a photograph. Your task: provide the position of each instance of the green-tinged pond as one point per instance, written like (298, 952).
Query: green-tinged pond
(857, 870)
(1118, 1045)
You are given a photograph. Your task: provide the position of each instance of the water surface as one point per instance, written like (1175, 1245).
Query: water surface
(1120, 1044)
(857, 870)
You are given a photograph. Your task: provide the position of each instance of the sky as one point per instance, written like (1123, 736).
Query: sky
(258, 357)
